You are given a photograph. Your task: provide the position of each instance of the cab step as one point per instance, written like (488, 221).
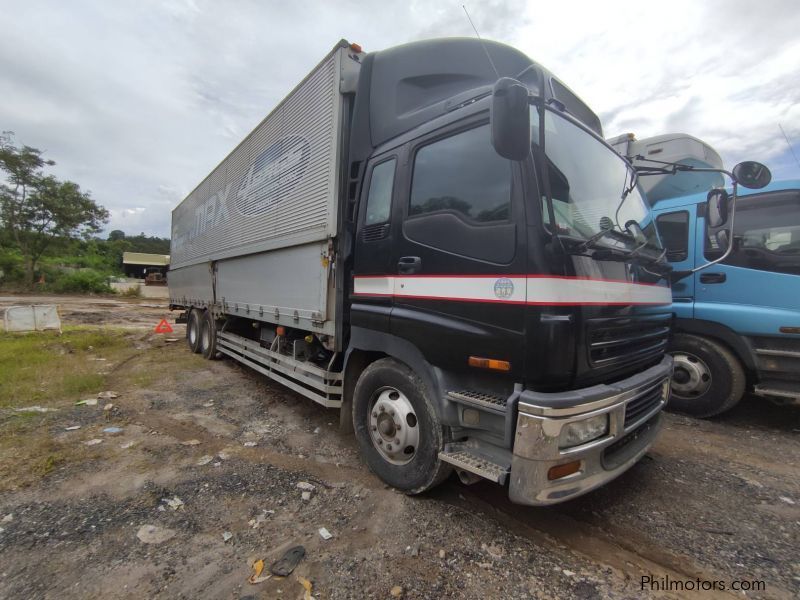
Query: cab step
(473, 460)
(479, 399)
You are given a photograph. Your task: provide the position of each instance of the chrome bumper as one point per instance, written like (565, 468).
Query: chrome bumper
(633, 407)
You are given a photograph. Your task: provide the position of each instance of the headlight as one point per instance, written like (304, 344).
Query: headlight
(580, 432)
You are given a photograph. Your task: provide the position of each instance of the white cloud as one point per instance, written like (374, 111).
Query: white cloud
(138, 101)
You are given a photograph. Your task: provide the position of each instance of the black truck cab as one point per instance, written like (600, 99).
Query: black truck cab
(476, 272)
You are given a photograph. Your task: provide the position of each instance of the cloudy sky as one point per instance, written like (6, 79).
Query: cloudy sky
(137, 100)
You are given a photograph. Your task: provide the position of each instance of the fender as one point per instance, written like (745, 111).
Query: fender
(737, 343)
(392, 346)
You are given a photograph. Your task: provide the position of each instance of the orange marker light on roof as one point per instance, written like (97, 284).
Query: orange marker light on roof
(489, 363)
(356, 48)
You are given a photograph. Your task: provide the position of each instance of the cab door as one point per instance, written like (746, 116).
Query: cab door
(676, 228)
(755, 290)
(374, 238)
(458, 262)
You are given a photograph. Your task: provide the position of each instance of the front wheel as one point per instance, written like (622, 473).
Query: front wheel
(707, 378)
(397, 428)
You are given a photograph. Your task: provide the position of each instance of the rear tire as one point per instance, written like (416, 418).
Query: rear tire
(193, 324)
(707, 379)
(391, 404)
(208, 336)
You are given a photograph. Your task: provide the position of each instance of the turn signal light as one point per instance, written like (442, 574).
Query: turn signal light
(560, 471)
(280, 331)
(489, 363)
(794, 330)
(356, 48)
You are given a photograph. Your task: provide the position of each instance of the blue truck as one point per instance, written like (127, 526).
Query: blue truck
(737, 323)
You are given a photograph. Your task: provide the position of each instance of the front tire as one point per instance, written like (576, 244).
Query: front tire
(193, 325)
(707, 379)
(397, 429)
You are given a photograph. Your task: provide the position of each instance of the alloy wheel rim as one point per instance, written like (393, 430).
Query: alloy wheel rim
(691, 377)
(393, 426)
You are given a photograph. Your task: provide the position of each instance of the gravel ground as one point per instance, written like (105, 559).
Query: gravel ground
(714, 500)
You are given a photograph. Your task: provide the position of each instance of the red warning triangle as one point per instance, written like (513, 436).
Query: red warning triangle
(163, 327)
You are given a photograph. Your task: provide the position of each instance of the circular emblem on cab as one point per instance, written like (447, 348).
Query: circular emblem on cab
(503, 288)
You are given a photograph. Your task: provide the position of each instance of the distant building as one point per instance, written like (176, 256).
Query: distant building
(139, 264)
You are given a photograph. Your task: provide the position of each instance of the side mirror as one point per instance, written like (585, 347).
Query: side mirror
(752, 175)
(636, 231)
(511, 119)
(716, 208)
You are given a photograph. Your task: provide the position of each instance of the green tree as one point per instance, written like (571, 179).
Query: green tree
(116, 235)
(37, 209)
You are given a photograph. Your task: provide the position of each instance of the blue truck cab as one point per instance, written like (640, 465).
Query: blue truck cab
(737, 323)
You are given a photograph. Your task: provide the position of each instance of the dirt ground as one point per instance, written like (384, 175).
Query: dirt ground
(713, 501)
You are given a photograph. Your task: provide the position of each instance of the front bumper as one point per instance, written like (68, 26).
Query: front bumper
(633, 406)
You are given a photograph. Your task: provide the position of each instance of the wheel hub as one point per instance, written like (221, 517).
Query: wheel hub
(393, 426)
(691, 377)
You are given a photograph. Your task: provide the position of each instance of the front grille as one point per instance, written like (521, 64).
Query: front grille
(625, 340)
(642, 405)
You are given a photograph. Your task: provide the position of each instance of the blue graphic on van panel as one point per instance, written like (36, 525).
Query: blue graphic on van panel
(272, 175)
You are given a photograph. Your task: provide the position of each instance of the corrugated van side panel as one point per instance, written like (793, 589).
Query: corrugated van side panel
(277, 188)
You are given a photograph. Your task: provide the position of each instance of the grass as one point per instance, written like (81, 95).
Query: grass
(52, 370)
(47, 368)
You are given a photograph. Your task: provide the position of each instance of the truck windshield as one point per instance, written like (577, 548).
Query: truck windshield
(592, 187)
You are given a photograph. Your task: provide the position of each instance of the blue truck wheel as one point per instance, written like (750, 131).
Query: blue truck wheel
(707, 380)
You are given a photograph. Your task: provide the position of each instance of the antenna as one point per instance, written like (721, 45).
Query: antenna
(485, 49)
(788, 143)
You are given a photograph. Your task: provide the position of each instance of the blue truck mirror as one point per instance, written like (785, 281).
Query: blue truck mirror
(717, 208)
(510, 117)
(752, 175)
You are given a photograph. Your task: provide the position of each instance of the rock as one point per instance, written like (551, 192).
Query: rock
(108, 406)
(72, 428)
(109, 395)
(93, 442)
(306, 496)
(787, 500)
(226, 535)
(204, 460)
(306, 487)
(442, 554)
(151, 534)
(568, 573)
(325, 534)
(112, 430)
(190, 443)
(396, 591)
(250, 444)
(8, 518)
(174, 503)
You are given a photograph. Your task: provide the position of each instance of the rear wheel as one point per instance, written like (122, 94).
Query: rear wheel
(193, 324)
(208, 336)
(707, 378)
(397, 428)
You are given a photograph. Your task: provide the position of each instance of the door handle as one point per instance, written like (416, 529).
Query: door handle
(409, 265)
(712, 278)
